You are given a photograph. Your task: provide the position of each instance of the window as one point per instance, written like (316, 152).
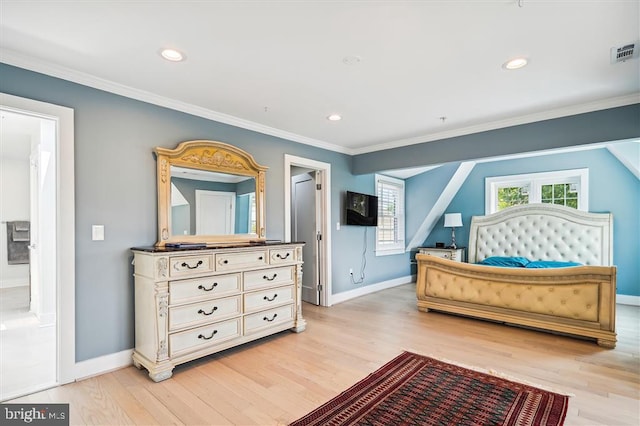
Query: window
(566, 187)
(390, 229)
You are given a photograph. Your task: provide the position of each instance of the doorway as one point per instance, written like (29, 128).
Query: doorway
(305, 227)
(307, 219)
(37, 307)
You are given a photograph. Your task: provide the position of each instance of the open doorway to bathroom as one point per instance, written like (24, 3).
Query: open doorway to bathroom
(27, 278)
(36, 334)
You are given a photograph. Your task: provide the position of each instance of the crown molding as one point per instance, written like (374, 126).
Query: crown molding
(509, 122)
(20, 60)
(17, 59)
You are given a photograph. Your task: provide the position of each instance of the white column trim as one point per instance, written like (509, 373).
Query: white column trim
(441, 204)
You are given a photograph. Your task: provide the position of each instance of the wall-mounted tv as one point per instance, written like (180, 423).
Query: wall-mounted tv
(361, 209)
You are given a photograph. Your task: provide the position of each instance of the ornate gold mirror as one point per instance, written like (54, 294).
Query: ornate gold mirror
(209, 192)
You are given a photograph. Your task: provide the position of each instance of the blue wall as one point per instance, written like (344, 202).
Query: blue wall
(612, 188)
(613, 124)
(115, 185)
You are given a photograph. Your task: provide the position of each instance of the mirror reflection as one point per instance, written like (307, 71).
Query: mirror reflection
(211, 203)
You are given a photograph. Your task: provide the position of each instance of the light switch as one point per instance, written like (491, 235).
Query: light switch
(337, 226)
(97, 232)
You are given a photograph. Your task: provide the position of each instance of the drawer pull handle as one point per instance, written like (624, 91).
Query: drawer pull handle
(260, 258)
(225, 261)
(272, 318)
(272, 299)
(215, 308)
(203, 337)
(279, 256)
(201, 287)
(186, 265)
(264, 277)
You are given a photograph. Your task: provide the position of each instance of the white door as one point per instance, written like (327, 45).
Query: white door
(215, 212)
(305, 227)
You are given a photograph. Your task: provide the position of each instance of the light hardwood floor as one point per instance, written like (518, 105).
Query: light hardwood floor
(23, 340)
(280, 378)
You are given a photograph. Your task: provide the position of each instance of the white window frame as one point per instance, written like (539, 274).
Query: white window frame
(398, 247)
(535, 181)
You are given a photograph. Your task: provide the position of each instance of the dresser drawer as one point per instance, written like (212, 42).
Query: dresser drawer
(268, 277)
(277, 256)
(203, 288)
(440, 253)
(229, 261)
(190, 265)
(451, 254)
(265, 299)
(262, 320)
(209, 335)
(203, 312)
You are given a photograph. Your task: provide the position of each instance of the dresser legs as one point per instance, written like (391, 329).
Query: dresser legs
(157, 372)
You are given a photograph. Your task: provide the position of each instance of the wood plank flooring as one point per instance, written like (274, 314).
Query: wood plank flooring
(280, 378)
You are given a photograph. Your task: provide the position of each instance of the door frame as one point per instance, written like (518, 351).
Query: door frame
(65, 225)
(324, 267)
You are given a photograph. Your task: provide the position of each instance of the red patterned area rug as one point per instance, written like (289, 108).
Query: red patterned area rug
(417, 390)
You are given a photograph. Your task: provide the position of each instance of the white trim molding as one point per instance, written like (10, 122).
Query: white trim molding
(599, 105)
(21, 60)
(438, 209)
(533, 182)
(325, 168)
(104, 364)
(65, 224)
(14, 58)
(625, 299)
(373, 288)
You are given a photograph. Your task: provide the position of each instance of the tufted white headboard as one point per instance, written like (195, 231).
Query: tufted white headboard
(543, 232)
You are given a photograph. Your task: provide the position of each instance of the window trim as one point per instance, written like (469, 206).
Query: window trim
(399, 246)
(535, 181)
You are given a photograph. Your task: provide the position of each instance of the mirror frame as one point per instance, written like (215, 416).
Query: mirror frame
(212, 156)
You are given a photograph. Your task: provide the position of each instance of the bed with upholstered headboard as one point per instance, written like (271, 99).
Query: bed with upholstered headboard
(577, 298)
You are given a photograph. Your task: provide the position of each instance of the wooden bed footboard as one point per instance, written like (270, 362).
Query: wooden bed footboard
(578, 301)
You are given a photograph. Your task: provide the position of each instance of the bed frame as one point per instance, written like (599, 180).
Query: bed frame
(578, 301)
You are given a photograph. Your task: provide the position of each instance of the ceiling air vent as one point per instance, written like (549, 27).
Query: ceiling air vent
(624, 53)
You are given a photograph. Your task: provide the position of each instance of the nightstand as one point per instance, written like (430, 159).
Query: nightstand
(455, 254)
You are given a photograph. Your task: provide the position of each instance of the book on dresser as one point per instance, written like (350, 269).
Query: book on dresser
(192, 303)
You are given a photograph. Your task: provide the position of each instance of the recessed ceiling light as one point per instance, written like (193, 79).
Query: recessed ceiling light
(515, 63)
(172, 55)
(334, 117)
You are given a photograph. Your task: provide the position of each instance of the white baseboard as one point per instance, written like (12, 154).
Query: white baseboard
(625, 299)
(16, 282)
(103, 364)
(368, 289)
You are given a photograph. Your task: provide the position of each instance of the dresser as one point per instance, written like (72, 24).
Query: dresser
(193, 302)
(455, 254)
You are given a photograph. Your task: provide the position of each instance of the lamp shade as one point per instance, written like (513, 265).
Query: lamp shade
(452, 220)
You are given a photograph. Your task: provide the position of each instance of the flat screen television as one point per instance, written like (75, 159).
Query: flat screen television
(361, 209)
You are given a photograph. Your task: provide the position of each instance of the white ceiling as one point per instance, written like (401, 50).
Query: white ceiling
(278, 67)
